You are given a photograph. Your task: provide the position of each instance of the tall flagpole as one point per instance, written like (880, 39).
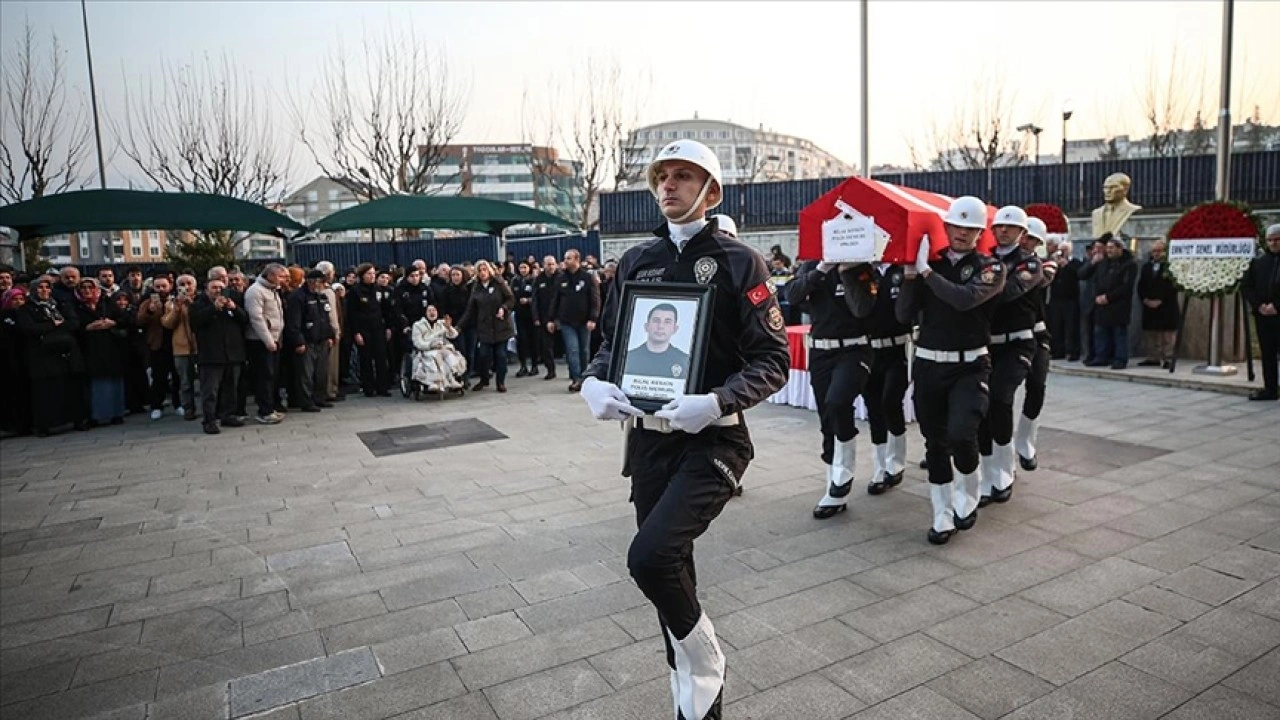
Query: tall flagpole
(1222, 189)
(93, 98)
(866, 132)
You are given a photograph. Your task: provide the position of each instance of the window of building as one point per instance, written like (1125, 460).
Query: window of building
(724, 134)
(153, 235)
(333, 194)
(689, 134)
(135, 251)
(708, 134)
(84, 246)
(154, 251)
(741, 134)
(672, 134)
(313, 208)
(313, 196)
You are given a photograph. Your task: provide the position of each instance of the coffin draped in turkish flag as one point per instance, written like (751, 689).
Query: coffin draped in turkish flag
(906, 214)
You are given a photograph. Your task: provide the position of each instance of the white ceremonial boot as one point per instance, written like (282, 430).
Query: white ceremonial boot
(1024, 441)
(1002, 475)
(966, 499)
(944, 525)
(987, 473)
(895, 461)
(879, 477)
(700, 671)
(839, 479)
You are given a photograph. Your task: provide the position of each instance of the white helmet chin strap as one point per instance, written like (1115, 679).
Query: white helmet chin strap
(697, 203)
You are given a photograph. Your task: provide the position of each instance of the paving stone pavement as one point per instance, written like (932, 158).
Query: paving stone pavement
(149, 571)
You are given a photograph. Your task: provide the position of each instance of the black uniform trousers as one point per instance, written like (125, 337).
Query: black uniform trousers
(1010, 366)
(838, 377)
(266, 374)
(951, 400)
(1037, 378)
(547, 348)
(218, 390)
(164, 378)
(886, 387)
(1064, 325)
(1269, 343)
(527, 340)
(679, 484)
(375, 373)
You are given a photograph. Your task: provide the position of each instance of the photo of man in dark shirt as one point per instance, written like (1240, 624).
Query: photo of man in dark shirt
(657, 357)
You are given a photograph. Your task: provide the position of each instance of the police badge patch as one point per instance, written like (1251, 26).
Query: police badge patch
(705, 269)
(966, 272)
(677, 370)
(775, 319)
(988, 275)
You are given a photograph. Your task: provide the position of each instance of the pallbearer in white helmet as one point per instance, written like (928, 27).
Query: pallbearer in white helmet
(1028, 429)
(952, 296)
(685, 460)
(887, 385)
(1013, 349)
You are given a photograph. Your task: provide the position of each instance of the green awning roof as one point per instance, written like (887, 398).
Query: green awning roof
(438, 213)
(90, 210)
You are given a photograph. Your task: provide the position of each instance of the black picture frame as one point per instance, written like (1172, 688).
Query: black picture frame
(647, 379)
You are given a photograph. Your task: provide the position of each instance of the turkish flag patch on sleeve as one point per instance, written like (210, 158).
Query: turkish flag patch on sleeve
(758, 294)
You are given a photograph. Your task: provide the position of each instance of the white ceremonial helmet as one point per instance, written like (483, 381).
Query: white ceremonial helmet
(726, 224)
(1011, 215)
(691, 151)
(1036, 228)
(967, 212)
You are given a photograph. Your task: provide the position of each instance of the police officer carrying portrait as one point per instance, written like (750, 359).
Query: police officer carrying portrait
(1028, 429)
(838, 299)
(685, 460)
(1013, 349)
(657, 357)
(953, 297)
(887, 385)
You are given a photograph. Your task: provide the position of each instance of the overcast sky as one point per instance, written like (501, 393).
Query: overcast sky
(789, 66)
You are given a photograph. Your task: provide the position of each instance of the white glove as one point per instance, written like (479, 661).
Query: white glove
(1050, 268)
(922, 255)
(691, 413)
(826, 267)
(607, 401)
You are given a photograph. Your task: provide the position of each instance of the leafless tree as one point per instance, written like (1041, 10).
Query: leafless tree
(601, 135)
(207, 128)
(1169, 105)
(979, 135)
(385, 125)
(44, 128)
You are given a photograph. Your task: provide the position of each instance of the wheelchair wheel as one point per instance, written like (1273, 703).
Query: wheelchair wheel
(406, 385)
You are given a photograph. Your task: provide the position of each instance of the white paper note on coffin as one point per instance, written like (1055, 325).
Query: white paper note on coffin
(852, 237)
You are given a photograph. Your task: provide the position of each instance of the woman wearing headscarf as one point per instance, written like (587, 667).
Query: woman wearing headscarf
(54, 365)
(452, 303)
(102, 352)
(489, 312)
(15, 412)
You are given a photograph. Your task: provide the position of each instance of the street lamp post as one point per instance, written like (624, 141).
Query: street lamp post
(1066, 115)
(1035, 131)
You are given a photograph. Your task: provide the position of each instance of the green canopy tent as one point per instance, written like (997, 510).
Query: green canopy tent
(427, 211)
(90, 210)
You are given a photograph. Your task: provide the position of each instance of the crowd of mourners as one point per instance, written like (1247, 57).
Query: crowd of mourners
(78, 352)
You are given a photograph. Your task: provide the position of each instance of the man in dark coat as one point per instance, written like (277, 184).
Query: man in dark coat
(309, 336)
(1113, 275)
(219, 324)
(1064, 305)
(1261, 288)
(1159, 298)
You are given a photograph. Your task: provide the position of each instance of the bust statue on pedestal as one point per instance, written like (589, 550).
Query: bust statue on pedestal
(1115, 211)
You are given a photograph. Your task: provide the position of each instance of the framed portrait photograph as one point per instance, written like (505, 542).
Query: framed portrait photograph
(660, 341)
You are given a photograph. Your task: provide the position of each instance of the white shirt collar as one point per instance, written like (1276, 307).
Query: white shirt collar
(681, 233)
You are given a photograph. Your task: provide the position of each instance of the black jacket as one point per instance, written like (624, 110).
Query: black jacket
(1261, 282)
(1065, 289)
(1115, 279)
(219, 333)
(369, 309)
(411, 303)
(522, 290)
(482, 311)
(1153, 284)
(1018, 307)
(102, 350)
(883, 321)
(52, 350)
(955, 302)
(306, 318)
(577, 298)
(544, 293)
(452, 302)
(839, 302)
(746, 358)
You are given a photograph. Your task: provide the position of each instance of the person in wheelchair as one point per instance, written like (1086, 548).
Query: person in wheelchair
(437, 365)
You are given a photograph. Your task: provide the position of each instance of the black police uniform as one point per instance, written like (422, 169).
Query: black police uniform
(670, 363)
(1013, 348)
(1025, 434)
(839, 363)
(951, 395)
(680, 482)
(1261, 285)
(526, 331)
(369, 314)
(887, 384)
(544, 294)
(410, 303)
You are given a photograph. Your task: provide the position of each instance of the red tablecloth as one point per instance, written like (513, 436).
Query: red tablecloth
(799, 393)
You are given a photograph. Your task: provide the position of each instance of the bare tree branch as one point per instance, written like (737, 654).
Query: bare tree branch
(384, 126)
(979, 135)
(209, 130)
(44, 134)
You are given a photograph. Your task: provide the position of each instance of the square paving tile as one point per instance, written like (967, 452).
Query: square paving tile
(435, 436)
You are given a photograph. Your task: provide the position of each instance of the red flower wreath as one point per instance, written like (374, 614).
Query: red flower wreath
(1213, 220)
(1055, 221)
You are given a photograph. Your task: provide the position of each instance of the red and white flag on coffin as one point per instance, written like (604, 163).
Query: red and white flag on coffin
(906, 214)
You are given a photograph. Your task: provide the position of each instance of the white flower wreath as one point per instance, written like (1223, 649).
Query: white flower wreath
(1209, 276)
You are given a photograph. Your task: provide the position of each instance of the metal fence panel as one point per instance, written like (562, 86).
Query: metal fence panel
(555, 245)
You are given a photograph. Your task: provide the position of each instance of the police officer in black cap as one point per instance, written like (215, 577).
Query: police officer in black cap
(838, 299)
(1013, 349)
(887, 386)
(685, 460)
(951, 372)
